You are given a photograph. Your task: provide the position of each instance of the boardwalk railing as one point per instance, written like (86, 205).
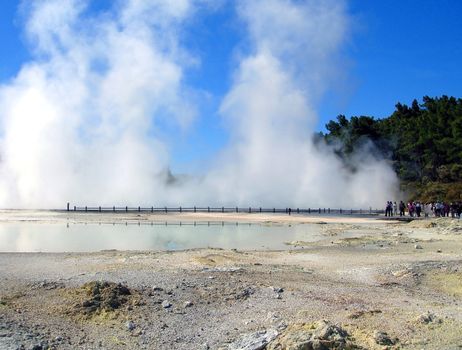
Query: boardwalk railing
(195, 209)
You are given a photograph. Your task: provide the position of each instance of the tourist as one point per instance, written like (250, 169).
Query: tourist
(411, 208)
(402, 207)
(446, 209)
(418, 209)
(437, 209)
(428, 209)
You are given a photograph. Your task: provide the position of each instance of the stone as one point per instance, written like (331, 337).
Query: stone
(329, 336)
(418, 246)
(130, 325)
(157, 289)
(328, 331)
(273, 317)
(102, 295)
(321, 335)
(426, 317)
(254, 341)
(245, 293)
(382, 338)
(166, 304)
(188, 304)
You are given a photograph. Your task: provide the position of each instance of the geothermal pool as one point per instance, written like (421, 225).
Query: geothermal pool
(90, 237)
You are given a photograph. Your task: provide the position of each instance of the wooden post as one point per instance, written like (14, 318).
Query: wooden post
(113, 209)
(222, 209)
(237, 210)
(328, 210)
(99, 209)
(126, 208)
(274, 210)
(75, 208)
(298, 210)
(260, 209)
(194, 211)
(309, 210)
(319, 210)
(180, 209)
(340, 210)
(67, 206)
(152, 209)
(86, 209)
(165, 209)
(250, 210)
(208, 209)
(139, 209)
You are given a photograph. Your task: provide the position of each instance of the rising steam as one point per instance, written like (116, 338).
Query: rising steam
(81, 121)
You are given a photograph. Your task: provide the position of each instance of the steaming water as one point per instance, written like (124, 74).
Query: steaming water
(49, 237)
(131, 97)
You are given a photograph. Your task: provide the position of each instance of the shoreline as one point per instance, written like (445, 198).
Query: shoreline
(57, 216)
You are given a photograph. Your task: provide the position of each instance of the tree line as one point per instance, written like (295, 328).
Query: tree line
(423, 143)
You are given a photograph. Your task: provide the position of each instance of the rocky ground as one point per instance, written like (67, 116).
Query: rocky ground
(383, 285)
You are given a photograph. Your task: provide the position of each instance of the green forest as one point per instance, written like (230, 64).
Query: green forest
(423, 143)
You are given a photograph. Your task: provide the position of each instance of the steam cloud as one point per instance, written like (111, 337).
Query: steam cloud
(81, 121)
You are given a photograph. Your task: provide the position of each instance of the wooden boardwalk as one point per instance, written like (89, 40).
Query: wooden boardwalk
(200, 209)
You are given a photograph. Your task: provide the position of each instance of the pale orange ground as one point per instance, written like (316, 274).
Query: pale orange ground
(59, 216)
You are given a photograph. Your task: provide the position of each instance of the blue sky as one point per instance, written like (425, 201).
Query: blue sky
(402, 50)
(396, 51)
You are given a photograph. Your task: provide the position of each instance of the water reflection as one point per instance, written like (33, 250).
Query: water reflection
(87, 237)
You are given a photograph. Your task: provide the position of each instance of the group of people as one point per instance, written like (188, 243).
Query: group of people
(418, 209)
